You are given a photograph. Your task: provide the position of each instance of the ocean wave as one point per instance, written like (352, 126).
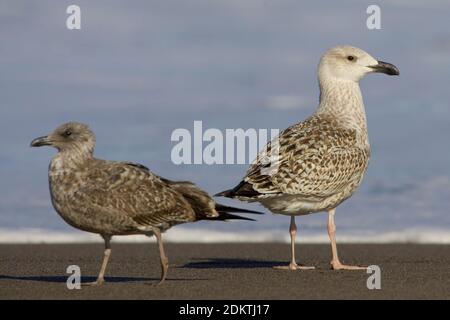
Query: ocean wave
(36, 236)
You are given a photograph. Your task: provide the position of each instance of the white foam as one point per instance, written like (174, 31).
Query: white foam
(181, 235)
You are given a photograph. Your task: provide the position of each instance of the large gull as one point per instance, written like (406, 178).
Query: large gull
(320, 162)
(120, 198)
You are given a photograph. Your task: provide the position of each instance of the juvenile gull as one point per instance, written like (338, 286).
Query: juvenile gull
(322, 160)
(120, 198)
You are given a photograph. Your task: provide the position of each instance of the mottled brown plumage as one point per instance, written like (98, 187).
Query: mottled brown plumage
(120, 198)
(320, 164)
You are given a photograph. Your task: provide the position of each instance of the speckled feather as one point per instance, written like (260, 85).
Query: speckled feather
(116, 198)
(318, 161)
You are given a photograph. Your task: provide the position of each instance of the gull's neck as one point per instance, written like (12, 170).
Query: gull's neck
(74, 158)
(342, 100)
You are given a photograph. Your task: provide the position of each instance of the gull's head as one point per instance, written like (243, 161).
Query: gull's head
(351, 64)
(71, 136)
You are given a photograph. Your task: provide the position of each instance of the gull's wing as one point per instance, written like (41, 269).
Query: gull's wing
(315, 159)
(130, 191)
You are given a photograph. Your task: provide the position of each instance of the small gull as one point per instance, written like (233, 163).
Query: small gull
(321, 161)
(120, 198)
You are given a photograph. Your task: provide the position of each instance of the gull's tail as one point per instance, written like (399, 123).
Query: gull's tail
(224, 213)
(205, 208)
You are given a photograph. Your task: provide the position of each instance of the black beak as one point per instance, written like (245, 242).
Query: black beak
(385, 67)
(41, 141)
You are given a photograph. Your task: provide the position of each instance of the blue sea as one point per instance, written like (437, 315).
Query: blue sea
(136, 71)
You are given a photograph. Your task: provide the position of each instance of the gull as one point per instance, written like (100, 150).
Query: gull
(120, 198)
(316, 164)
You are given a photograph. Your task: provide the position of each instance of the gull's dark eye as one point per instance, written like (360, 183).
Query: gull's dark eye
(351, 58)
(67, 133)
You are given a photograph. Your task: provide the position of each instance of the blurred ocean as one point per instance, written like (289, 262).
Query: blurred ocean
(137, 71)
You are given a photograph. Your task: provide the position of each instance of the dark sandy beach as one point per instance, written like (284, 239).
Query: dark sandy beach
(224, 271)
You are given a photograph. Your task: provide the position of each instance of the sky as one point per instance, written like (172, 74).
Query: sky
(138, 70)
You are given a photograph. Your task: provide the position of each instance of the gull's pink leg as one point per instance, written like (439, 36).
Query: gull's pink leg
(162, 255)
(293, 265)
(100, 279)
(335, 263)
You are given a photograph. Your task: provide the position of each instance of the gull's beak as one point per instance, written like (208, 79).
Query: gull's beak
(41, 141)
(385, 67)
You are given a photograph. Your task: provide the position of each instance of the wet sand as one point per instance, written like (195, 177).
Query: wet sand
(225, 271)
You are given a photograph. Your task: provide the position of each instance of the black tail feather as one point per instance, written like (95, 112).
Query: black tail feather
(243, 189)
(224, 213)
(225, 193)
(223, 208)
(224, 216)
